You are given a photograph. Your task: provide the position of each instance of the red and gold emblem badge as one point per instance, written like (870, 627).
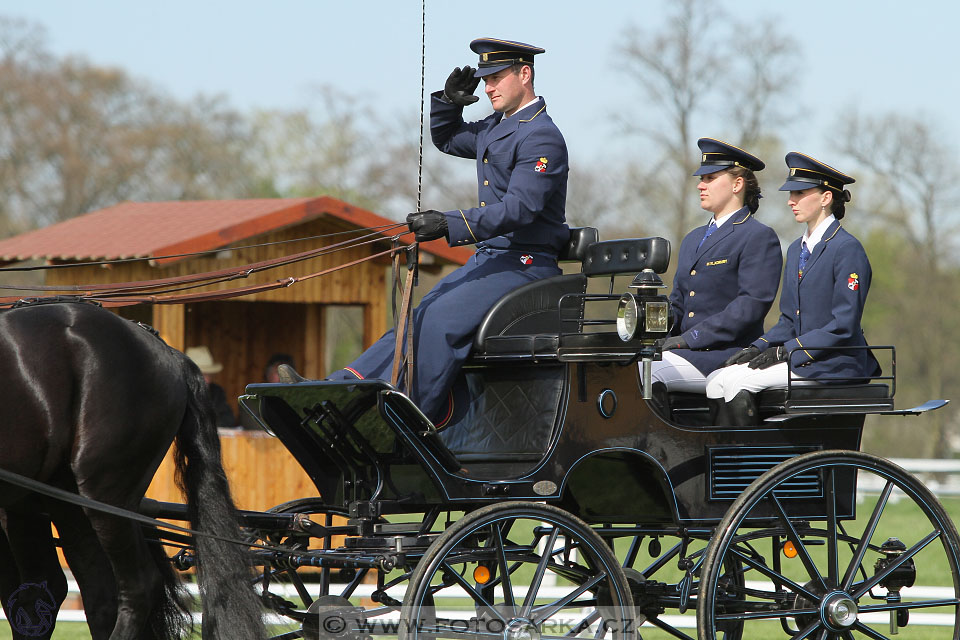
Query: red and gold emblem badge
(541, 165)
(853, 282)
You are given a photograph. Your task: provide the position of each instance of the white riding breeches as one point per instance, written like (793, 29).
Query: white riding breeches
(727, 382)
(678, 374)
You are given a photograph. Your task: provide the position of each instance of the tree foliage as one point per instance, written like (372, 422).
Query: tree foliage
(699, 77)
(909, 190)
(77, 137)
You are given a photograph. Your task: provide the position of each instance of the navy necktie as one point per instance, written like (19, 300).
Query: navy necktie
(710, 229)
(804, 254)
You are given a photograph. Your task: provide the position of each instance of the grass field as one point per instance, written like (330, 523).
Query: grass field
(900, 519)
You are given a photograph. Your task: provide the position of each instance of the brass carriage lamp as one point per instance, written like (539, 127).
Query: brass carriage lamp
(646, 307)
(644, 315)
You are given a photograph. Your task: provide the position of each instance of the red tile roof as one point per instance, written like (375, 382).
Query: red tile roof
(150, 229)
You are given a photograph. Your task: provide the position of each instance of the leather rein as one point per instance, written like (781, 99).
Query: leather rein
(164, 290)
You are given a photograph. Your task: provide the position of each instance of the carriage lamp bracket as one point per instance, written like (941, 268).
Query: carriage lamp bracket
(644, 315)
(903, 576)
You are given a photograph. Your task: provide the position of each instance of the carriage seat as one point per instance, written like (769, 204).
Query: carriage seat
(693, 409)
(527, 320)
(856, 398)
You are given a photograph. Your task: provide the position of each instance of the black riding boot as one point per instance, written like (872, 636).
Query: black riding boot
(660, 400)
(742, 410)
(719, 415)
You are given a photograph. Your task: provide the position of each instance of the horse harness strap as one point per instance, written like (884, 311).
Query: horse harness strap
(36, 486)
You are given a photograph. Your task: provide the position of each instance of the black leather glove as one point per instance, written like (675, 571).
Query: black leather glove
(427, 225)
(460, 86)
(673, 342)
(769, 357)
(744, 355)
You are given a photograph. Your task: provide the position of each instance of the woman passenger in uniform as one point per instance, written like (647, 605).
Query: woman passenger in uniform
(825, 284)
(728, 272)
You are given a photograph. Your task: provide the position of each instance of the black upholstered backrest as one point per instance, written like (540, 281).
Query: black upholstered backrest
(626, 256)
(576, 247)
(530, 309)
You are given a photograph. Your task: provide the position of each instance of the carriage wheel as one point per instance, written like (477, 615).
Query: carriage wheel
(518, 571)
(314, 603)
(882, 563)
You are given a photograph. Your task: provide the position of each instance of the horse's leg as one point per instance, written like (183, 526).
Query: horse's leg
(9, 574)
(33, 602)
(139, 584)
(91, 568)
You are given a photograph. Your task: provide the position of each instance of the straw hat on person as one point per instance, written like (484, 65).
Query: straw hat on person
(204, 359)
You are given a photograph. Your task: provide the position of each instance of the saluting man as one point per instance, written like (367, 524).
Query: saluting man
(519, 225)
(728, 271)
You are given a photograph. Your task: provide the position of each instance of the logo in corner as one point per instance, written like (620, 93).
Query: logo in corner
(32, 609)
(853, 282)
(541, 165)
(526, 259)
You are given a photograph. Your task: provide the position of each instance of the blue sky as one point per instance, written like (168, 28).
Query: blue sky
(879, 56)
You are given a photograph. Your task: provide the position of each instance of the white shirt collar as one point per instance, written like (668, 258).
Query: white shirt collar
(817, 234)
(534, 101)
(719, 221)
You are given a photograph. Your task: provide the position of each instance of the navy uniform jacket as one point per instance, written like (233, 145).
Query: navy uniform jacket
(522, 173)
(824, 308)
(521, 176)
(724, 288)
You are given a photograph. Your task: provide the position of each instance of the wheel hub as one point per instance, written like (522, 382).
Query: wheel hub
(839, 611)
(521, 629)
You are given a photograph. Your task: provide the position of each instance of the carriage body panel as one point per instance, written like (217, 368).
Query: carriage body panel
(365, 442)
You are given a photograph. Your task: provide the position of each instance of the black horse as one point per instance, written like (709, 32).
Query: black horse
(90, 403)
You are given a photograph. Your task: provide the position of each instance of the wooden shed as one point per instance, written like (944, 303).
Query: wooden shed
(241, 333)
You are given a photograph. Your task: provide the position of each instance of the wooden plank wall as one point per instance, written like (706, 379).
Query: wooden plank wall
(261, 471)
(243, 333)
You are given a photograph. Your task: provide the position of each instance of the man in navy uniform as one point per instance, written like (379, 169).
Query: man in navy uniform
(518, 226)
(728, 272)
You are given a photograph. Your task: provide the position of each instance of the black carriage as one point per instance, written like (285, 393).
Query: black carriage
(560, 501)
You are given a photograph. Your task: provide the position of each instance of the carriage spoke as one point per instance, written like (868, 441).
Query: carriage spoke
(807, 630)
(657, 622)
(794, 537)
(476, 595)
(505, 583)
(772, 614)
(540, 571)
(868, 532)
(543, 612)
(867, 631)
(660, 562)
(773, 575)
(833, 561)
(913, 604)
(866, 585)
